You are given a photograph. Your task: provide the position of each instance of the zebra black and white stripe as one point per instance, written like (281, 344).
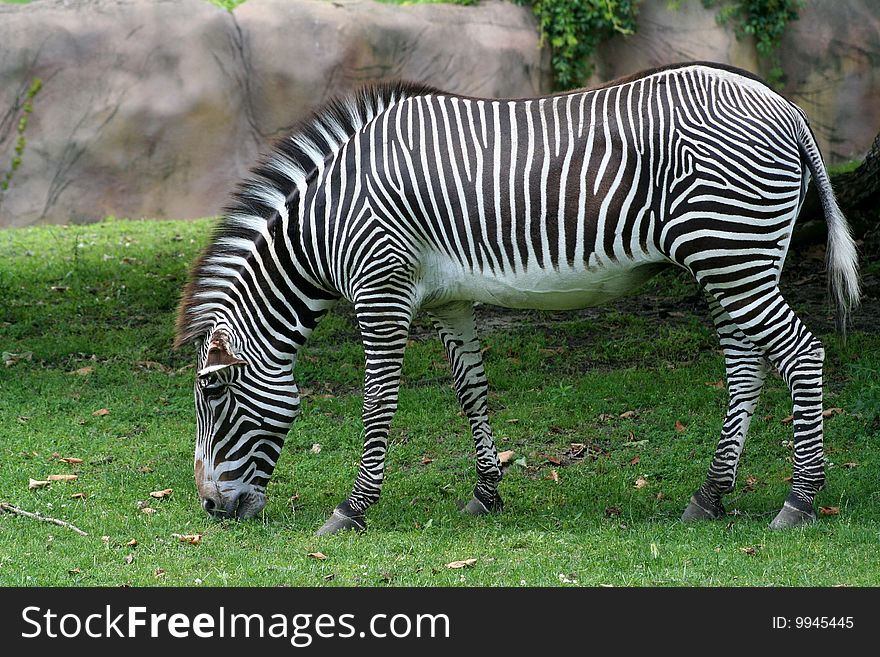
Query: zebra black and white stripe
(404, 197)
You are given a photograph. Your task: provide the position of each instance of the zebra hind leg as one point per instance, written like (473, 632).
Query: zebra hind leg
(456, 326)
(746, 369)
(769, 323)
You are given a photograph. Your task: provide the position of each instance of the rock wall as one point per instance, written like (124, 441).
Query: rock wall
(155, 108)
(830, 57)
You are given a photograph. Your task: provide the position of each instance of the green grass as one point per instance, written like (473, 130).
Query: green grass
(103, 297)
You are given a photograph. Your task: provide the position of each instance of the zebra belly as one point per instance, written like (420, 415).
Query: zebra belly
(567, 288)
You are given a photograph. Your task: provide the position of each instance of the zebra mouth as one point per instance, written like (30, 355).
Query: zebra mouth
(250, 504)
(242, 506)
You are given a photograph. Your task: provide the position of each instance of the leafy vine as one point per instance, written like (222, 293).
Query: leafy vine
(27, 108)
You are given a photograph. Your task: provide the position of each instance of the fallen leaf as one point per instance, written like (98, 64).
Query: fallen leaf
(465, 563)
(10, 359)
(79, 496)
(132, 543)
(320, 556)
(828, 412)
(159, 572)
(850, 465)
(159, 494)
(641, 482)
(101, 411)
(72, 460)
(105, 540)
(829, 510)
(74, 571)
(316, 448)
(83, 371)
(787, 479)
(521, 462)
(128, 558)
(553, 476)
(751, 482)
(788, 419)
(426, 460)
(153, 365)
(62, 477)
(505, 456)
(36, 483)
(628, 415)
(604, 417)
(145, 469)
(748, 550)
(576, 449)
(148, 510)
(635, 459)
(654, 551)
(192, 539)
(513, 420)
(612, 511)
(679, 427)
(551, 459)
(716, 384)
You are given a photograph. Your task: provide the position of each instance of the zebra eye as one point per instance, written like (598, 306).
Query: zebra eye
(211, 387)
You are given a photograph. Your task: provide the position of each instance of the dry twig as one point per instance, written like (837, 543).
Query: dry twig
(9, 508)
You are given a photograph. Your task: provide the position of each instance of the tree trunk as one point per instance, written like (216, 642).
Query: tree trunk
(858, 194)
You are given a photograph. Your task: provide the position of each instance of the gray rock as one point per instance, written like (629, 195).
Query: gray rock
(154, 108)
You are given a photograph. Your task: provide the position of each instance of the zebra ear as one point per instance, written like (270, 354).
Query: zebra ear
(219, 356)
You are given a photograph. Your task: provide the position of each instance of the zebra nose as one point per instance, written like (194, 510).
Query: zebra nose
(219, 507)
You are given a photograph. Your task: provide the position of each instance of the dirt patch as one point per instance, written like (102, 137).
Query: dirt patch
(803, 284)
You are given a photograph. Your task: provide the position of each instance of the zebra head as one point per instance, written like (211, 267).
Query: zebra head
(244, 410)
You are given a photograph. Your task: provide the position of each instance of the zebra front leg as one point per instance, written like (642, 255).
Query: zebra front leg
(384, 331)
(746, 369)
(456, 326)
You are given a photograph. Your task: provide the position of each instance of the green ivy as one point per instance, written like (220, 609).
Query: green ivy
(20, 143)
(765, 20)
(574, 29)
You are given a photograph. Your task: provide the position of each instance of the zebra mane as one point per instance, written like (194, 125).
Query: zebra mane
(262, 203)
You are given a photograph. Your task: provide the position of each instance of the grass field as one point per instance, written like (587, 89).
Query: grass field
(86, 316)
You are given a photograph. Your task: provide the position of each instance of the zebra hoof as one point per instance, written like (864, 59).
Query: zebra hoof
(700, 510)
(339, 522)
(476, 507)
(792, 516)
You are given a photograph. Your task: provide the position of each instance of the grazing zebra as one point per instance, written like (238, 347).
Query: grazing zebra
(405, 197)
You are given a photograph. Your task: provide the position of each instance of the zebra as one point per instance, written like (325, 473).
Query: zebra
(403, 197)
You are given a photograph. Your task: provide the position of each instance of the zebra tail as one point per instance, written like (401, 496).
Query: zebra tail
(841, 256)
